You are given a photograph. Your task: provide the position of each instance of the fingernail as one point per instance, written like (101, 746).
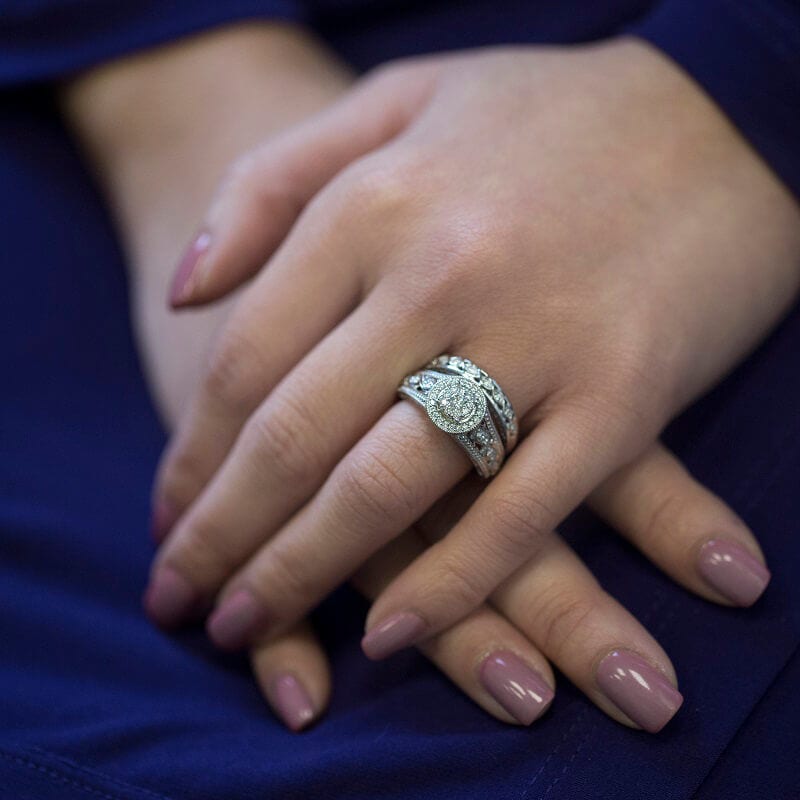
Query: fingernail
(162, 519)
(291, 702)
(519, 689)
(733, 571)
(234, 622)
(639, 690)
(183, 284)
(393, 634)
(169, 598)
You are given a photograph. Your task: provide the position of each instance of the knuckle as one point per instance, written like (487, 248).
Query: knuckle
(566, 616)
(665, 517)
(452, 270)
(519, 521)
(388, 73)
(290, 578)
(281, 437)
(241, 176)
(181, 477)
(376, 186)
(373, 489)
(230, 375)
(466, 247)
(257, 182)
(639, 369)
(204, 553)
(460, 582)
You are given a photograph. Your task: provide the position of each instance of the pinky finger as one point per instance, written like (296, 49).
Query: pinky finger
(294, 676)
(683, 528)
(488, 658)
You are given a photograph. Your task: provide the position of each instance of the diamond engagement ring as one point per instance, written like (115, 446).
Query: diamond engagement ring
(465, 402)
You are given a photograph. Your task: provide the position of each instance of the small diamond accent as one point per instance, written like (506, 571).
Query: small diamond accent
(482, 436)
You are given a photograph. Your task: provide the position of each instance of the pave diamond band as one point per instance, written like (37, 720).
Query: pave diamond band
(470, 406)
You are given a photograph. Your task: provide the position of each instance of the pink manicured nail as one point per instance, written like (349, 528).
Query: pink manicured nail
(733, 571)
(291, 701)
(185, 278)
(519, 689)
(393, 634)
(233, 624)
(169, 598)
(162, 519)
(639, 690)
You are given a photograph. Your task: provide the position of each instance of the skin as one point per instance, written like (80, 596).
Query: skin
(609, 166)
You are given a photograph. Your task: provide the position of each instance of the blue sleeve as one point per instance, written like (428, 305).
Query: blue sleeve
(746, 55)
(46, 39)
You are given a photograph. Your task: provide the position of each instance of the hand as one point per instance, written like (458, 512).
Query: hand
(552, 604)
(564, 218)
(159, 128)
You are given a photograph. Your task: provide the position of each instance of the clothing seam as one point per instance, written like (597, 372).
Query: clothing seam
(578, 717)
(58, 777)
(658, 600)
(787, 459)
(739, 728)
(91, 772)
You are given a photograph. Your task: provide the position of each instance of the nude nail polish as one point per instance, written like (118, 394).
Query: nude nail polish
(393, 634)
(638, 689)
(234, 622)
(733, 571)
(291, 702)
(169, 597)
(518, 688)
(185, 278)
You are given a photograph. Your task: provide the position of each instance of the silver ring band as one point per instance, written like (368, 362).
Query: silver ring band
(463, 409)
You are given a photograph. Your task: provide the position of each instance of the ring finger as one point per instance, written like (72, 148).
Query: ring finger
(284, 452)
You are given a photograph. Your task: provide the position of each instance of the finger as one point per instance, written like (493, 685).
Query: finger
(557, 603)
(267, 189)
(268, 333)
(683, 528)
(549, 474)
(282, 456)
(591, 638)
(483, 654)
(294, 676)
(375, 492)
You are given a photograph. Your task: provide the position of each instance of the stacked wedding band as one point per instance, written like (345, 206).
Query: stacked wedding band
(464, 401)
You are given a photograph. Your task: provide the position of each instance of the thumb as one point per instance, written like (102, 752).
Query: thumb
(266, 189)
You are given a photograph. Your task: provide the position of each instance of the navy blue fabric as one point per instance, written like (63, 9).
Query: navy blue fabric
(95, 703)
(745, 54)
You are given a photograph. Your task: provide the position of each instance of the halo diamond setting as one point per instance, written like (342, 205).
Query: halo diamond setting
(456, 404)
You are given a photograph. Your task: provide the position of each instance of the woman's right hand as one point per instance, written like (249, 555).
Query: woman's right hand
(496, 655)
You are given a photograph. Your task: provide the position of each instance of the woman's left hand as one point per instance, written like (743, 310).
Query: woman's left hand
(583, 223)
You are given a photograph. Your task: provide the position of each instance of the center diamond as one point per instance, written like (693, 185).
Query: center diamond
(456, 404)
